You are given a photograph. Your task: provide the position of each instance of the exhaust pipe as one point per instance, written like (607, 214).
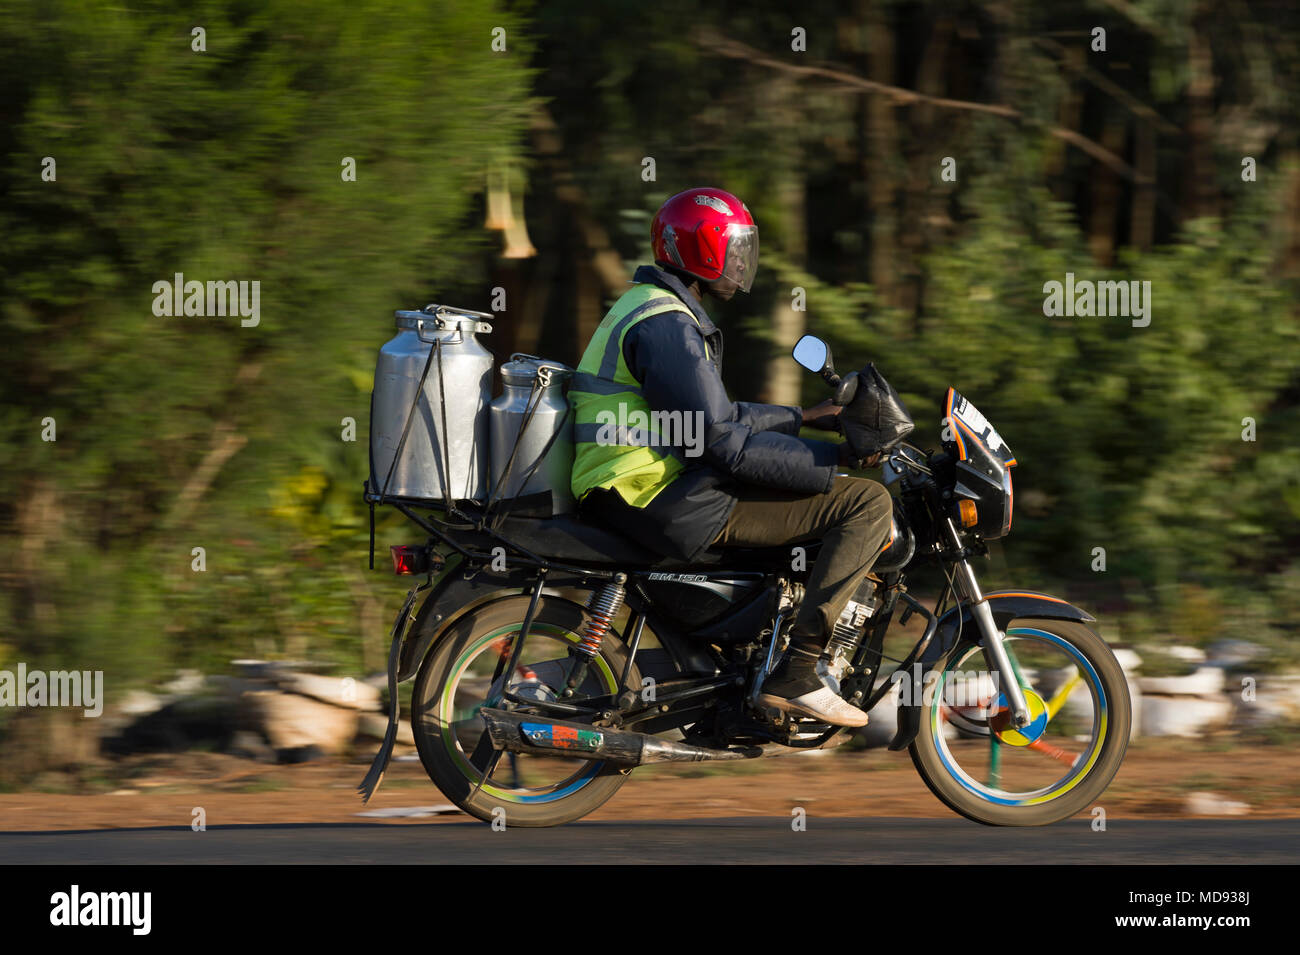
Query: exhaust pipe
(520, 733)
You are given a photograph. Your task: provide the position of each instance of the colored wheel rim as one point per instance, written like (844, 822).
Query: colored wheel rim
(447, 713)
(1005, 742)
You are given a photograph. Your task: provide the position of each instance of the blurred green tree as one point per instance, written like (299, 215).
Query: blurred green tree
(226, 163)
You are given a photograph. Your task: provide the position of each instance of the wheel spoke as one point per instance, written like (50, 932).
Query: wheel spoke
(995, 762)
(493, 759)
(1060, 696)
(482, 752)
(1055, 752)
(516, 781)
(500, 678)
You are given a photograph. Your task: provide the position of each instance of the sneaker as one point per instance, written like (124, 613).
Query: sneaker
(832, 671)
(799, 685)
(821, 704)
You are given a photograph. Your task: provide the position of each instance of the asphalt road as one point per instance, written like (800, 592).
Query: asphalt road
(730, 841)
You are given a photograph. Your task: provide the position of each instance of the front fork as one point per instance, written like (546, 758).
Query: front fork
(995, 648)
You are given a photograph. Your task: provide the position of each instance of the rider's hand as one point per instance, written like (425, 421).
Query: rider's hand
(823, 416)
(848, 460)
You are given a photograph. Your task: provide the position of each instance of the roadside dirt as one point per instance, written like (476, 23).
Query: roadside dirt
(165, 790)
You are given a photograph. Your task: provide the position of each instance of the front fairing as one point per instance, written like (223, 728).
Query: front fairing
(983, 462)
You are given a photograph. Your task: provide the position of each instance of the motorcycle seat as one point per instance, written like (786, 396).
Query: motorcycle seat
(566, 538)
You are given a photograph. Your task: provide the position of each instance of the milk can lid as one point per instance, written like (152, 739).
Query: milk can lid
(434, 318)
(521, 369)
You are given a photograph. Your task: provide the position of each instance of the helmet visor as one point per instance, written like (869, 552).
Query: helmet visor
(742, 255)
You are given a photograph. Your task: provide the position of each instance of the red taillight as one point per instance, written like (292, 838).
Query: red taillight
(410, 559)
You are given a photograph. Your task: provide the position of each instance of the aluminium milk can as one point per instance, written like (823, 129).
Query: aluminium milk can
(531, 421)
(445, 451)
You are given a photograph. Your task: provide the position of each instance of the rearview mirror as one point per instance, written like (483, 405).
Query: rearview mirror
(812, 353)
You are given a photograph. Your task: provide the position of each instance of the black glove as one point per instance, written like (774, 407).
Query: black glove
(875, 420)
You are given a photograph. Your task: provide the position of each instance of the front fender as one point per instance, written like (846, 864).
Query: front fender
(955, 633)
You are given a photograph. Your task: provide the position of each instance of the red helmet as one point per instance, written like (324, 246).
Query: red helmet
(709, 234)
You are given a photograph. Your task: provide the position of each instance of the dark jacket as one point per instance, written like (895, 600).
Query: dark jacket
(744, 443)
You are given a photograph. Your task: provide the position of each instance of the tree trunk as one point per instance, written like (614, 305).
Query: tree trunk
(1103, 213)
(1199, 185)
(1289, 267)
(1069, 116)
(923, 204)
(783, 380)
(880, 142)
(1142, 227)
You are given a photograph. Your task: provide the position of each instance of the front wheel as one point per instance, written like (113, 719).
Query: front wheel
(464, 672)
(979, 765)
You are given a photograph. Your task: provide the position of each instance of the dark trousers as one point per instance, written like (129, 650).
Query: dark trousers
(852, 521)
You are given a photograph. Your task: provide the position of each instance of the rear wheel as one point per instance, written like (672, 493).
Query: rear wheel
(979, 765)
(456, 679)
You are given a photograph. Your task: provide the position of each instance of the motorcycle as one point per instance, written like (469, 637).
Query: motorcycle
(552, 657)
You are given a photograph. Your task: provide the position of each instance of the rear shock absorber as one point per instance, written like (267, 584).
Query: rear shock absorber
(602, 607)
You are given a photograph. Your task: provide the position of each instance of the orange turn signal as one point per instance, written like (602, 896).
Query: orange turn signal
(967, 512)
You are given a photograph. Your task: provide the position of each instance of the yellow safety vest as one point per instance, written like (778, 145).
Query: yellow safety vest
(616, 444)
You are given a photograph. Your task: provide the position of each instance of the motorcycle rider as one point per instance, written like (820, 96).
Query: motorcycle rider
(751, 481)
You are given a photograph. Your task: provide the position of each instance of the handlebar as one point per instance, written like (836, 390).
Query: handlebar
(845, 389)
(904, 458)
